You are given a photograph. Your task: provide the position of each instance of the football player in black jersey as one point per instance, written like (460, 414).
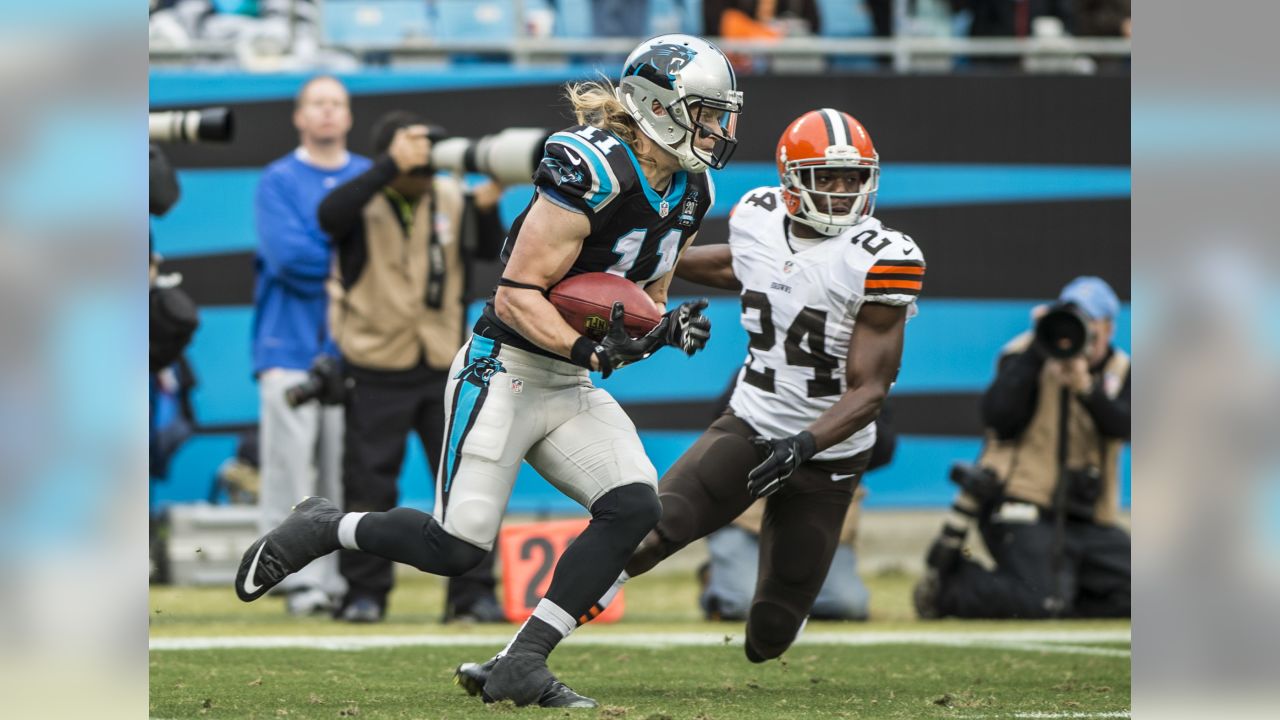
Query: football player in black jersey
(623, 192)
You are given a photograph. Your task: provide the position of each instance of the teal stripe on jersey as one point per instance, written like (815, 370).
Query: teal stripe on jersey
(467, 404)
(599, 166)
(675, 190)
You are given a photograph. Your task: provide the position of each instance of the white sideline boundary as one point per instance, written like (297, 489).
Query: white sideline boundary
(1045, 714)
(1051, 641)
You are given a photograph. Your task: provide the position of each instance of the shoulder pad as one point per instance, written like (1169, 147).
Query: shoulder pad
(759, 202)
(894, 265)
(586, 167)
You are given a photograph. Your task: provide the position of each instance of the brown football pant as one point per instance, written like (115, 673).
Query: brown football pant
(706, 489)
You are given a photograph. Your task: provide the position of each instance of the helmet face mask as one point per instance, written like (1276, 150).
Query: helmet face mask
(828, 145)
(682, 92)
(829, 212)
(707, 119)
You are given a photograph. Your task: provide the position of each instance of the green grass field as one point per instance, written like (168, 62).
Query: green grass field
(891, 667)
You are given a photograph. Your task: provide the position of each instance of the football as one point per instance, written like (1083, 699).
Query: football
(586, 300)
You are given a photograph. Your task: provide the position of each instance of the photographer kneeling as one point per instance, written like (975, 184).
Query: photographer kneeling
(1045, 490)
(396, 312)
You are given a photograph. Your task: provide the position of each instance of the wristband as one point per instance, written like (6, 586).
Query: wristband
(584, 348)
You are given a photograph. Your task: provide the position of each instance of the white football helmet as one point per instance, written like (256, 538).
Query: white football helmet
(678, 87)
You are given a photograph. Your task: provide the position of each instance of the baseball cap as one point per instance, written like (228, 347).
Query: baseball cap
(1093, 296)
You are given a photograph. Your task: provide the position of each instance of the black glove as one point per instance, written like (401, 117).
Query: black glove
(781, 458)
(618, 348)
(689, 329)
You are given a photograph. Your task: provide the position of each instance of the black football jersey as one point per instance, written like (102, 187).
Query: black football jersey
(636, 232)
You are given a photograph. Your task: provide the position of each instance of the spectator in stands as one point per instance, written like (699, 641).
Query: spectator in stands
(783, 16)
(729, 576)
(1012, 18)
(1102, 18)
(301, 447)
(396, 311)
(620, 18)
(1049, 522)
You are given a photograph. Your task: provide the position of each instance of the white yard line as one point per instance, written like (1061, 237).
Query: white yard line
(1041, 714)
(1027, 640)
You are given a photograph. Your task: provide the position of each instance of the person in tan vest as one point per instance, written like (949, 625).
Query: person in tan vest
(396, 312)
(1057, 546)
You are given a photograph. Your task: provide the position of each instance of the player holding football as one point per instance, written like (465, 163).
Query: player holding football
(624, 193)
(826, 293)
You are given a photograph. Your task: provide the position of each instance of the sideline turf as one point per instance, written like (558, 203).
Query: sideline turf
(707, 683)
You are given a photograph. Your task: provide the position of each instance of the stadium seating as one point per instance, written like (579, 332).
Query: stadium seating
(475, 20)
(375, 21)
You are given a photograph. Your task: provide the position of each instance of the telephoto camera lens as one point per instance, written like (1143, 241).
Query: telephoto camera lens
(188, 126)
(305, 391)
(1063, 331)
(510, 156)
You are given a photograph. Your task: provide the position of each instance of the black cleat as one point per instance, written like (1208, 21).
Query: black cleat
(525, 680)
(310, 532)
(472, 676)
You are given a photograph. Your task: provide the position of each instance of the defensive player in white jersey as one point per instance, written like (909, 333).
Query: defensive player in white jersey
(826, 293)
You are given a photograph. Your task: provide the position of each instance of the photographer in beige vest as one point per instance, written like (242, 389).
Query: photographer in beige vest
(1044, 493)
(403, 237)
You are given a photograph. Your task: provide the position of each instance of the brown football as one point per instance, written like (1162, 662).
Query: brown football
(585, 302)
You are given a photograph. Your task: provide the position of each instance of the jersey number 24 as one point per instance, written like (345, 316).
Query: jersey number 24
(805, 346)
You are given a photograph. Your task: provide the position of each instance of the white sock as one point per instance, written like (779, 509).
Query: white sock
(613, 590)
(551, 614)
(800, 629)
(347, 530)
(555, 616)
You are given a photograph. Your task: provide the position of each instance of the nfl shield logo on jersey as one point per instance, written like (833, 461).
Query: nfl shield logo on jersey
(788, 266)
(517, 386)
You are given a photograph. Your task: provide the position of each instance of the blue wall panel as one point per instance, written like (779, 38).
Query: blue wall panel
(216, 212)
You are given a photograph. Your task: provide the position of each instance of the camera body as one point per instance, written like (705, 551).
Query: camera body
(509, 156)
(980, 482)
(1063, 332)
(324, 383)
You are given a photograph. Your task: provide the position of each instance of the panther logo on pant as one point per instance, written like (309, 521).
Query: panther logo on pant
(480, 371)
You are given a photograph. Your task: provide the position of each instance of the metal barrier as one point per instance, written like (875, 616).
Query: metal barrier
(907, 53)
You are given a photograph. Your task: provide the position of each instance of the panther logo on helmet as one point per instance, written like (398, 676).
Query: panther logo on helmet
(660, 63)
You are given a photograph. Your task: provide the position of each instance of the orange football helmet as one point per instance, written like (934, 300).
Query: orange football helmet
(820, 139)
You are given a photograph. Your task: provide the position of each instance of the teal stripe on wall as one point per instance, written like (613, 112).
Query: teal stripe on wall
(215, 214)
(951, 347)
(917, 478)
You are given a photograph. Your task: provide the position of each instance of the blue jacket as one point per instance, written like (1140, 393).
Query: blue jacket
(293, 260)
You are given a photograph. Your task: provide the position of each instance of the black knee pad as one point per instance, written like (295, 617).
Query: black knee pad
(632, 509)
(771, 629)
(452, 557)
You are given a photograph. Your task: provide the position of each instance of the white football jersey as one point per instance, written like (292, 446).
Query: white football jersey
(799, 306)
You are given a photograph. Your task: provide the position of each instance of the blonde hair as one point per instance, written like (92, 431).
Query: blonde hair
(595, 103)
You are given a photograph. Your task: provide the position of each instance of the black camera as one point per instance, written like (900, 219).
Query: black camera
(981, 483)
(188, 126)
(324, 383)
(1063, 332)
